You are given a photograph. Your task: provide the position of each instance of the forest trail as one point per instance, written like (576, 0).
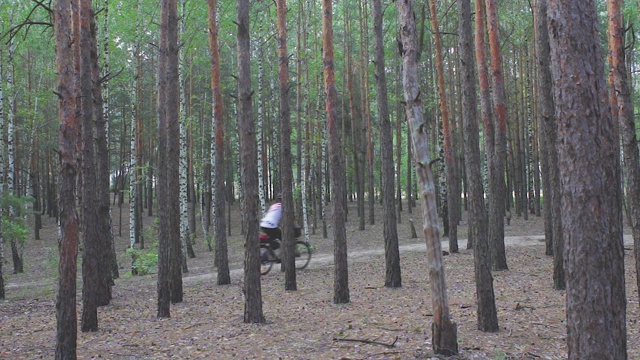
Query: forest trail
(326, 259)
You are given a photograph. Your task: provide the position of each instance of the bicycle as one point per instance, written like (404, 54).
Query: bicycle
(268, 256)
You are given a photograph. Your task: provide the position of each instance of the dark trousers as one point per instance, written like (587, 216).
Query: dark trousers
(274, 235)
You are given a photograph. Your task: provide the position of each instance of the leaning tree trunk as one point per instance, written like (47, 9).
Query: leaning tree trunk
(252, 288)
(588, 149)
(66, 317)
(444, 332)
(336, 154)
(487, 314)
(393, 277)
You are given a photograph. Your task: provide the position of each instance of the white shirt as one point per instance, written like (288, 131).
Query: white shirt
(272, 218)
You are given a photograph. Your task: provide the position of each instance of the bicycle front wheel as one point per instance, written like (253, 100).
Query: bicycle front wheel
(303, 254)
(267, 258)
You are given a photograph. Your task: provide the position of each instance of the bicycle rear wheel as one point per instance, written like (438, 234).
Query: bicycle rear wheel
(303, 254)
(267, 258)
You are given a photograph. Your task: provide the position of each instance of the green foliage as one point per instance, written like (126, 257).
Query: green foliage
(145, 261)
(14, 228)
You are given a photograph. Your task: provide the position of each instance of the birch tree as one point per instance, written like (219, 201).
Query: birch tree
(183, 165)
(16, 249)
(444, 333)
(134, 224)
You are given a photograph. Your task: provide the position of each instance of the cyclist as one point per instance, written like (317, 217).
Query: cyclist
(270, 221)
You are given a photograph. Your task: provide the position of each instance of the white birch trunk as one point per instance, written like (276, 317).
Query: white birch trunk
(259, 125)
(11, 140)
(184, 206)
(305, 213)
(132, 171)
(133, 179)
(323, 166)
(11, 123)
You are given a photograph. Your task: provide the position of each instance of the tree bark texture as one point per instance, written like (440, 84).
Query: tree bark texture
(450, 165)
(173, 152)
(90, 247)
(336, 161)
(252, 288)
(67, 330)
(444, 331)
(217, 153)
(623, 92)
(487, 314)
(498, 192)
(393, 276)
(164, 240)
(549, 136)
(286, 162)
(590, 175)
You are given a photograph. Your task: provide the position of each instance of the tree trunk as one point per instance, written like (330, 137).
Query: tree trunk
(164, 235)
(12, 173)
(66, 318)
(486, 314)
(549, 135)
(252, 288)
(182, 162)
(173, 152)
(498, 192)
(444, 333)
(622, 91)
(217, 153)
(2, 146)
(393, 277)
(591, 196)
(91, 276)
(336, 154)
(446, 131)
(285, 150)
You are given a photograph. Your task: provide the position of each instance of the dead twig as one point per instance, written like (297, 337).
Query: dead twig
(367, 341)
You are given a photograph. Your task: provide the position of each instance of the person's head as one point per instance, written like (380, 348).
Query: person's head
(279, 197)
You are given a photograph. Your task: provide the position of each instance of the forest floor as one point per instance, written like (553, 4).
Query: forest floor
(378, 323)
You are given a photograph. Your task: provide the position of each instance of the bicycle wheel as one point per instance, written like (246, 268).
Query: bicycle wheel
(303, 254)
(267, 258)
